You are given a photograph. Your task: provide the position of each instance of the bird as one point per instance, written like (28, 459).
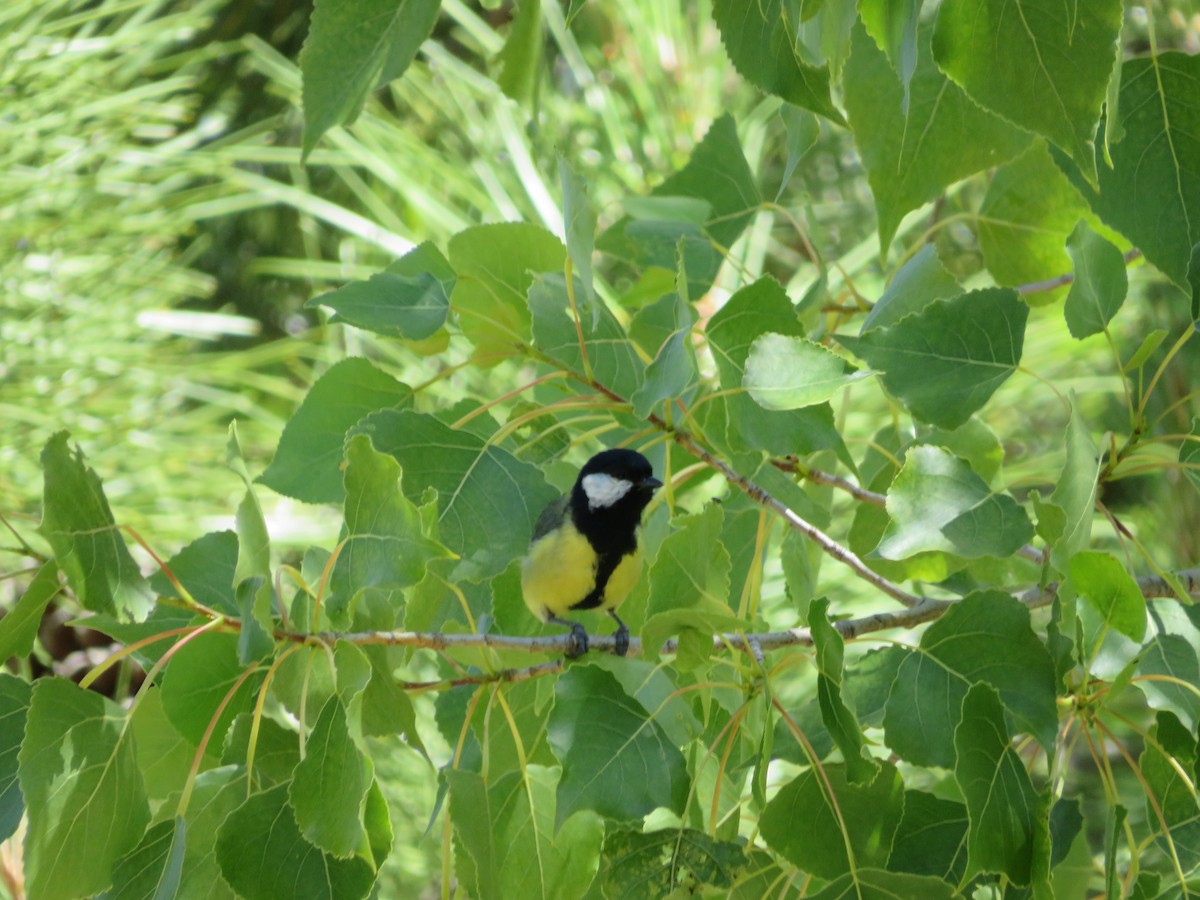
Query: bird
(586, 551)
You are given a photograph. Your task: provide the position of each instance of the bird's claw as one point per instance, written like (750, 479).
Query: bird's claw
(621, 640)
(577, 642)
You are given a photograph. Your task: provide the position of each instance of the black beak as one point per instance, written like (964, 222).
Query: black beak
(650, 484)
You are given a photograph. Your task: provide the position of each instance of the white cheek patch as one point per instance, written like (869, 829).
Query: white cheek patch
(603, 490)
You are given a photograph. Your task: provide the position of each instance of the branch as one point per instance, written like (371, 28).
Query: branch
(1040, 287)
(924, 610)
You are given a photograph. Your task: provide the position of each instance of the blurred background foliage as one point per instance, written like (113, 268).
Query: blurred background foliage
(159, 238)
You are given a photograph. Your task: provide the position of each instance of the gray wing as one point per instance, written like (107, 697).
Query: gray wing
(551, 516)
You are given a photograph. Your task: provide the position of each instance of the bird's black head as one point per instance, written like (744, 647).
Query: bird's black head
(613, 488)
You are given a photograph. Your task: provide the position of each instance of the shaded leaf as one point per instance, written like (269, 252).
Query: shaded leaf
(154, 868)
(648, 865)
(15, 697)
(579, 225)
(1100, 282)
(616, 760)
(1002, 805)
(263, 856)
(800, 822)
(918, 283)
(195, 683)
(1075, 493)
(985, 637)
(892, 24)
(673, 370)
(838, 716)
(932, 838)
(947, 360)
(205, 568)
(1174, 657)
(1189, 459)
(329, 790)
(508, 827)
(1025, 218)
(876, 884)
(521, 54)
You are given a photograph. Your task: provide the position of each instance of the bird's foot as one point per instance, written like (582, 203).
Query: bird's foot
(621, 640)
(577, 641)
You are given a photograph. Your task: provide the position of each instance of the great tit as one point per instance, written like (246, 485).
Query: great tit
(586, 551)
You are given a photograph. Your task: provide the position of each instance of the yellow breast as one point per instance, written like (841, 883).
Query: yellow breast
(560, 571)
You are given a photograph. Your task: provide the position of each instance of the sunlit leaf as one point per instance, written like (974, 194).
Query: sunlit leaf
(785, 372)
(88, 547)
(1112, 591)
(307, 464)
(1053, 74)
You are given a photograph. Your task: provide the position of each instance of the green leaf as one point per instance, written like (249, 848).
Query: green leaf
(1075, 492)
(259, 842)
(761, 42)
(938, 502)
(801, 824)
(196, 681)
(947, 360)
(1149, 344)
(164, 756)
(932, 838)
(649, 865)
(985, 637)
(217, 793)
(579, 225)
(383, 544)
(1174, 657)
(19, 625)
(307, 464)
(508, 827)
(785, 372)
(15, 697)
(1024, 220)
(839, 718)
(918, 283)
(154, 868)
(254, 543)
(84, 798)
(386, 707)
(1112, 591)
(205, 568)
(1148, 194)
(350, 49)
(276, 753)
(876, 884)
(329, 790)
(496, 264)
(409, 299)
(718, 174)
(803, 128)
(911, 159)
(1002, 805)
(1100, 282)
(1053, 73)
(1189, 460)
(256, 635)
(77, 522)
(892, 24)
(521, 55)
(488, 500)
(616, 760)
(673, 369)
(755, 309)
(612, 358)
(1113, 823)
(690, 575)
(1170, 749)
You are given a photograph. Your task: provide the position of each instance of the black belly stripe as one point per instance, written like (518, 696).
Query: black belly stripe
(605, 566)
